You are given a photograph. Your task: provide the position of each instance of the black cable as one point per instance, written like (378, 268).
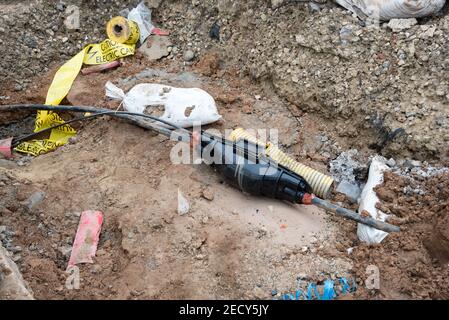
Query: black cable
(103, 111)
(83, 109)
(17, 141)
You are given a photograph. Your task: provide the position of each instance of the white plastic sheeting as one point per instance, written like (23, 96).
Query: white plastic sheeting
(368, 201)
(184, 107)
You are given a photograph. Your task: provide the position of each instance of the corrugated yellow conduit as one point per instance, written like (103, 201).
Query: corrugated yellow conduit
(320, 183)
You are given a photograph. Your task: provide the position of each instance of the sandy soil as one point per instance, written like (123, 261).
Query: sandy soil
(229, 246)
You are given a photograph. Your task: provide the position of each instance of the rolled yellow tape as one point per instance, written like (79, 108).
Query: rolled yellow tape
(122, 30)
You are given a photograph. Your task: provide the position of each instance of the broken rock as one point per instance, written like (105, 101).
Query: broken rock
(156, 47)
(189, 55)
(208, 194)
(397, 25)
(35, 199)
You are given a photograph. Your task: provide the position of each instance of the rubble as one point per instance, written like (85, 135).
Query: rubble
(156, 47)
(397, 25)
(351, 190)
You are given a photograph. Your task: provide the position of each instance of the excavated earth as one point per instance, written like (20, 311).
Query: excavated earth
(326, 81)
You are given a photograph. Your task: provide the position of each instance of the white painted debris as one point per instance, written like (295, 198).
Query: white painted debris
(390, 9)
(184, 107)
(368, 201)
(183, 204)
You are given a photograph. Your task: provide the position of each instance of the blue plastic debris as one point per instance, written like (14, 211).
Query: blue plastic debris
(329, 291)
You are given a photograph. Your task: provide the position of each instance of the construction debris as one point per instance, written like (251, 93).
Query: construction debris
(181, 106)
(86, 238)
(156, 47)
(398, 25)
(12, 285)
(369, 202)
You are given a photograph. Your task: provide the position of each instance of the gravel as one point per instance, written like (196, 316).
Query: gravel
(389, 86)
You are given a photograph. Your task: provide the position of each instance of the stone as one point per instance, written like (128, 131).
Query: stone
(314, 7)
(214, 32)
(156, 47)
(412, 163)
(247, 109)
(391, 163)
(346, 34)
(65, 251)
(429, 32)
(35, 199)
(153, 4)
(350, 190)
(277, 3)
(188, 55)
(60, 6)
(208, 193)
(397, 25)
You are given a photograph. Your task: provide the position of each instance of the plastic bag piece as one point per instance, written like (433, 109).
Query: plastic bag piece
(368, 201)
(183, 204)
(328, 291)
(184, 107)
(142, 16)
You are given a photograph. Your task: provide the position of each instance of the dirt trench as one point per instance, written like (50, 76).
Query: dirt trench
(230, 245)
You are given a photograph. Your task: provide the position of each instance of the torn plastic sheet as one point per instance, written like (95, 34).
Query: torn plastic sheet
(184, 107)
(368, 201)
(87, 237)
(142, 16)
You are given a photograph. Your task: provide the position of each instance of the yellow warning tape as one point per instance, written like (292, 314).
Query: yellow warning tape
(100, 53)
(122, 30)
